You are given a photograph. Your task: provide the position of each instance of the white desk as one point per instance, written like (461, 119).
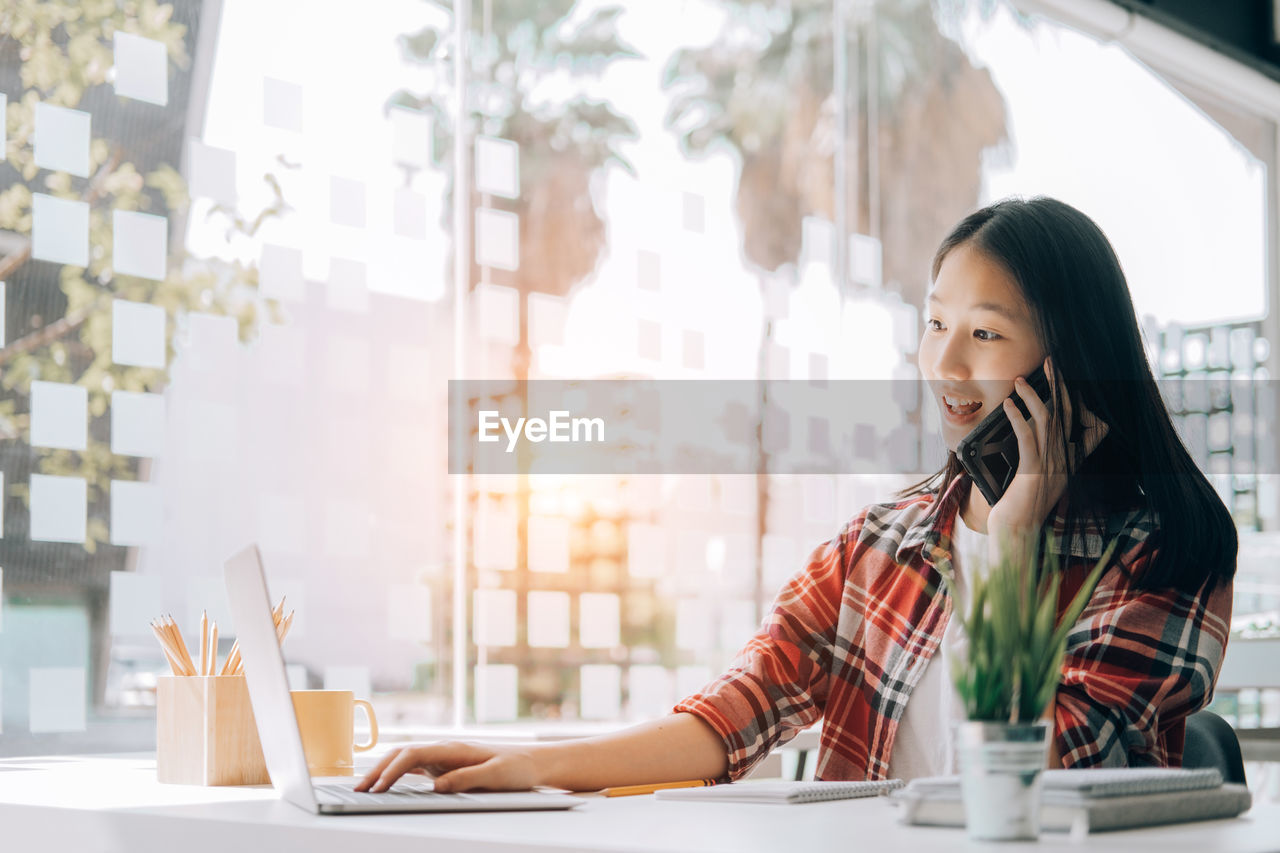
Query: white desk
(114, 804)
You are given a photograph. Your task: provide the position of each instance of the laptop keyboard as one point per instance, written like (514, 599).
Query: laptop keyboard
(343, 794)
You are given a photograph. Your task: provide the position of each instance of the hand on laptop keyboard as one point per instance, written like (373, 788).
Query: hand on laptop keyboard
(458, 766)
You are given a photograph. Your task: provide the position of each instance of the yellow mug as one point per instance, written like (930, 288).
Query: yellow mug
(326, 719)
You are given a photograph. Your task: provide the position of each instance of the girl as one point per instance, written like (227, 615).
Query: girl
(859, 638)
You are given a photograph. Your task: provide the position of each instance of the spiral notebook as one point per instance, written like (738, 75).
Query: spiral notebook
(781, 792)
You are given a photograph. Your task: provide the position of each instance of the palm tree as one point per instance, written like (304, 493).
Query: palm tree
(766, 89)
(514, 48)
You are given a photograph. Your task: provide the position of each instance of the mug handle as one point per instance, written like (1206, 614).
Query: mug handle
(373, 728)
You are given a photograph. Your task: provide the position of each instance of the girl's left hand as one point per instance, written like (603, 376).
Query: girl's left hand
(1025, 505)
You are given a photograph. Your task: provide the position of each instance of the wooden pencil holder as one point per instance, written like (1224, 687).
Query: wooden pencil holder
(205, 732)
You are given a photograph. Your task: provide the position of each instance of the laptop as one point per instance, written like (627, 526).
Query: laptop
(278, 726)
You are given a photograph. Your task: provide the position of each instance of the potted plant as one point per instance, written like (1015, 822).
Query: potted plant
(1007, 678)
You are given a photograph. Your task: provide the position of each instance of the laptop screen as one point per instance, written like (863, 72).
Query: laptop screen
(268, 683)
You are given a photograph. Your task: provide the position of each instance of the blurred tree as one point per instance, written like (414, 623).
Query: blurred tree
(531, 63)
(764, 88)
(531, 67)
(64, 51)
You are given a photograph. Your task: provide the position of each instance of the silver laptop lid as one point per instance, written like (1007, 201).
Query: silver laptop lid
(268, 683)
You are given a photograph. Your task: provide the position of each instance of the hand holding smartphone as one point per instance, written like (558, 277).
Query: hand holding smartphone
(990, 452)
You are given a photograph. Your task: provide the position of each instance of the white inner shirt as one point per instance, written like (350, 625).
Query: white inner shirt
(924, 743)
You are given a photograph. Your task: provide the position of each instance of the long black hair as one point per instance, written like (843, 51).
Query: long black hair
(1070, 277)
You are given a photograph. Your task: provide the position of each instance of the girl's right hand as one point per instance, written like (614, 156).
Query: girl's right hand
(457, 766)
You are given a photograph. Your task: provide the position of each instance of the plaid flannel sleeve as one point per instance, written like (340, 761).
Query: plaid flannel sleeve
(777, 684)
(1137, 663)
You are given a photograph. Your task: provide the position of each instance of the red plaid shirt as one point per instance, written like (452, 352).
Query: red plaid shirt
(850, 634)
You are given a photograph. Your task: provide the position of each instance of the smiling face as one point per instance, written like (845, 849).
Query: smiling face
(979, 334)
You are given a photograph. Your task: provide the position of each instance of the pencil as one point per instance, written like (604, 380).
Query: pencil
(164, 647)
(229, 664)
(181, 645)
(204, 642)
(632, 790)
(213, 650)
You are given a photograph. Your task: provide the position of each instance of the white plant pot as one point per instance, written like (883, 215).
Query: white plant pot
(1000, 766)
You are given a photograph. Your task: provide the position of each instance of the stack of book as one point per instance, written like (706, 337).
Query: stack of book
(1093, 800)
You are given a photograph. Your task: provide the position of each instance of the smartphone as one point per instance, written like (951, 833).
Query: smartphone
(990, 451)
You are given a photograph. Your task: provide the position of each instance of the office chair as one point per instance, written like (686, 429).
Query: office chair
(1211, 742)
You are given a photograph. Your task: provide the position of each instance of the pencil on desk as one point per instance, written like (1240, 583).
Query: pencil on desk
(631, 790)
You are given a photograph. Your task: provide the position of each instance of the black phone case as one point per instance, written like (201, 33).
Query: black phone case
(989, 453)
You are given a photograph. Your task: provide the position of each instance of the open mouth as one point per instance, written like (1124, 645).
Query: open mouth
(961, 407)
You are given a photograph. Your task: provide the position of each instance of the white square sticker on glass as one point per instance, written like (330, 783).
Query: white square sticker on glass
(62, 139)
(137, 334)
(409, 216)
(864, 259)
(548, 619)
(498, 310)
(57, 699)
(59, 507)
(283, 354)
(548, 544)
(646, 550)
(495, 617)
(137, 423)
(347, 288)
(141, 69)
(648, 270)
(59, 415)
(650, 690)
(497, 239)
(211, 340)
(346, 202)
(59, 230)
(212, 173)
(347, 364)
(598, 620)
(353, 678)
(348, 530)
(282, 523)
(408, 372)
(547, 315)
(281, 104)
(496, 696)
(694, 209)
(781, 558)
(495, 536)
(135, 600)
(410, 137)
(409, 612)
(137, 513)
(497, 166)
(280, 273)
(601, 696)
(139, 243)
(693, 624)
(737, 623)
